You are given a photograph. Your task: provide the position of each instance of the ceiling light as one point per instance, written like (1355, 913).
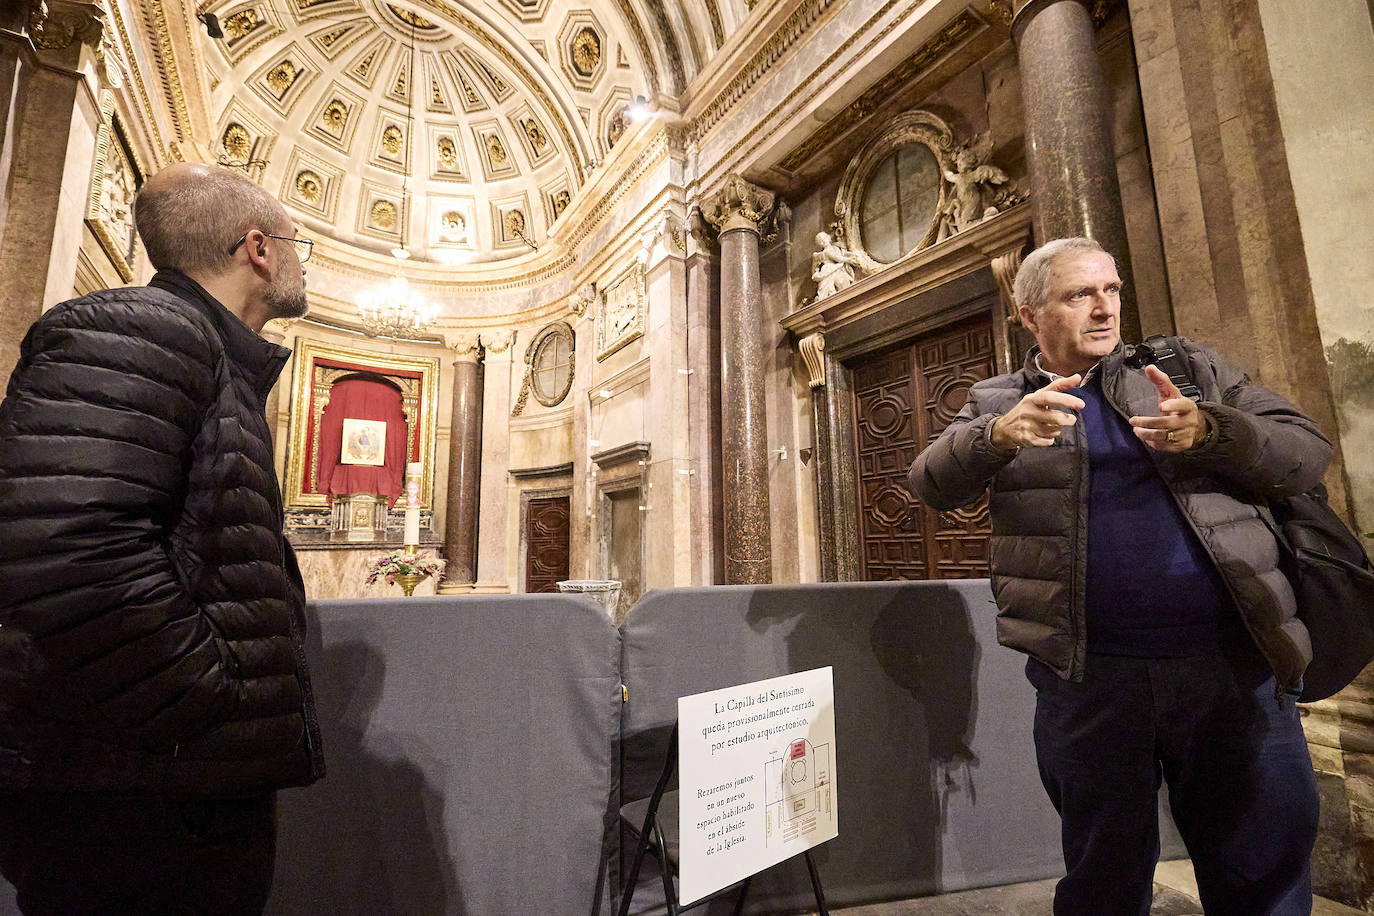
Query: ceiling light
(639, 110)
(395, 310)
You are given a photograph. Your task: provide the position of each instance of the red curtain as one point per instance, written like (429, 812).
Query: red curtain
(354, 398)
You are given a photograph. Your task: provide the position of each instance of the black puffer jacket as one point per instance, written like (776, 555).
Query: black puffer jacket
(151, 611)
(1264, 448)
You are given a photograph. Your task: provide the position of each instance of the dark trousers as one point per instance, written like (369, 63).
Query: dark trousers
(73, 854)
(1241, 787)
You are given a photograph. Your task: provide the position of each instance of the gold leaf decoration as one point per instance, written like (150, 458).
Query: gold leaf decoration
(392, 140)
(586, 51)
(537, 138)
(237, 142)
(560, 202)
(280, 77)
(435, 93)
(335, 116)
(619, 122)
(309, 186)
(240, 24)
(496, 151)
(384, 214)
(409, 18)
(448, 153)
(515, 223)
(453, 225)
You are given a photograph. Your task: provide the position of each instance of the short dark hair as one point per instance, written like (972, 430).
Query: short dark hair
(190, 224)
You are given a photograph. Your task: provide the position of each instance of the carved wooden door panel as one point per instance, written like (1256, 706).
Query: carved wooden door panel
(904, 397)
(546, 543)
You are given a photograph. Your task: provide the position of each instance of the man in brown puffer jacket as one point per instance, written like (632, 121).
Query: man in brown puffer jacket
(1130, 563)
(154, 691)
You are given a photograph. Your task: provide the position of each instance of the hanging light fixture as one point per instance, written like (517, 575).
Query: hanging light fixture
(394, 309)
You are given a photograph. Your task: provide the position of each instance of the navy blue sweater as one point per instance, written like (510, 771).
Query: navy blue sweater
(1152, 591)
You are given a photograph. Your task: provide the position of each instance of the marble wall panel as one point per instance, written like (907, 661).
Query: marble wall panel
(541, 447)
(342, 573)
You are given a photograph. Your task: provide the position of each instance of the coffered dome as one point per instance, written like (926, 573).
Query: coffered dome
(468, 151)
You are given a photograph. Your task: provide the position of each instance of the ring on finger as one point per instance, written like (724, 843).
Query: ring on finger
(1169, 436)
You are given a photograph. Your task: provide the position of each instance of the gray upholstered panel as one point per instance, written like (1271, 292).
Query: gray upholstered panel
(471, 750)
(936, 776)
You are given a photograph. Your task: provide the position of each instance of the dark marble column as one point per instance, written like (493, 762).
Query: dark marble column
(1069, 148)
(737, 211)
(464, 465)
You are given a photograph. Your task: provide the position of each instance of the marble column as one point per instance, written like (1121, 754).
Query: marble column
(1069, 149)
(738, 211)
(703, 355)
(495, 557)
(464, 465)
(50, 137)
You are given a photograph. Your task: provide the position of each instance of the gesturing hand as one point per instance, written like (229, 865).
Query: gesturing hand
(1179, 424)
(1039, 417)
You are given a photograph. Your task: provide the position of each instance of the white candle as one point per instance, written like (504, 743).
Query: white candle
(412, 532)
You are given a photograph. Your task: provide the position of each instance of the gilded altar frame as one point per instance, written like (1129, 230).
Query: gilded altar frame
(317, 367)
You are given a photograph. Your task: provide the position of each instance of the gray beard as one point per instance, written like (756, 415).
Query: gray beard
(287, 305)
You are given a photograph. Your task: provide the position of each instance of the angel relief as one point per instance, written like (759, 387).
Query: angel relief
(971, 197)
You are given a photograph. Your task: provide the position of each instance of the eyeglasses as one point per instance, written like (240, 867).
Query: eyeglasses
(303, 246)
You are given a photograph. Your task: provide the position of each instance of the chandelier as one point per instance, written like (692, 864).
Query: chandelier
(395, 310)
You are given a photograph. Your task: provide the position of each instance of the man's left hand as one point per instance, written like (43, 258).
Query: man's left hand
(1179, 425)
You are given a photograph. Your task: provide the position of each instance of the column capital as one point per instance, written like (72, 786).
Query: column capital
(61, 25)
(739, 204)
(812, 350)
(1009, 11)
(466, 346)
(497, 341)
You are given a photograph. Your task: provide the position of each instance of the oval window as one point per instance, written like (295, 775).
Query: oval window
(899, 202)
(551, 366)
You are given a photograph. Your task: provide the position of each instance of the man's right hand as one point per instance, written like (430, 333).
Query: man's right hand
(1039, 417)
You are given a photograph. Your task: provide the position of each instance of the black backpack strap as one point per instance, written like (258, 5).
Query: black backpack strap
(1172, 360)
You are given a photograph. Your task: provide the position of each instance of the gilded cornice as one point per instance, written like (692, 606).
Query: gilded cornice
(165, 58)
(717, 27)
(802, 20)
(668, 41)
(145, 107)
(959, 28)
(642, 43)
(756, 138)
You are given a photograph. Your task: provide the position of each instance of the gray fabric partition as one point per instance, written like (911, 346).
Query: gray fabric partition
(471, 749)
(935, 772)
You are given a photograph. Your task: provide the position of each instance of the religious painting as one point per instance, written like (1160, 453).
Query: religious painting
(384, 415)
(363, 442)
(620, 318)
(115, 179)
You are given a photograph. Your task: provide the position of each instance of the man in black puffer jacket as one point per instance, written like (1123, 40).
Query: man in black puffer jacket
(153, 684)
(1130, 562)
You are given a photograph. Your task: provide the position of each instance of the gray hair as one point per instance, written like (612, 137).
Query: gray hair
(190, 224)
(1031, 287)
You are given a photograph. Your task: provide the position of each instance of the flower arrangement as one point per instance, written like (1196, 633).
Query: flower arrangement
(395, 565)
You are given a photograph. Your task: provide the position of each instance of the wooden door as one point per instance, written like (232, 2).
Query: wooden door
(904, 397)
(546, 543)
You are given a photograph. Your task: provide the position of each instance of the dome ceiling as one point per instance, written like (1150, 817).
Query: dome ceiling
(466, 152)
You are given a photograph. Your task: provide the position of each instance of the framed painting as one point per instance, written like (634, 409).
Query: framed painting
(318, 367)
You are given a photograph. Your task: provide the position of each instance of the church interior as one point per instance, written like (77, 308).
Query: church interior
(672, 292)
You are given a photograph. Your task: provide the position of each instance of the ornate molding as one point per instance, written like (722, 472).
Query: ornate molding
(1004, 268)
(788, 34)
(739, 204)
(497, 341)
(1007, 11)
(466, 346)
(959, 29)
(57, 25)
(812, 350)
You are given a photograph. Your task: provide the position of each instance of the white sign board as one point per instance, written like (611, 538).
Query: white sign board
(757, 778)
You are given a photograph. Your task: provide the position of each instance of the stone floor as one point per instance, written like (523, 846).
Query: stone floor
(1175, 895)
